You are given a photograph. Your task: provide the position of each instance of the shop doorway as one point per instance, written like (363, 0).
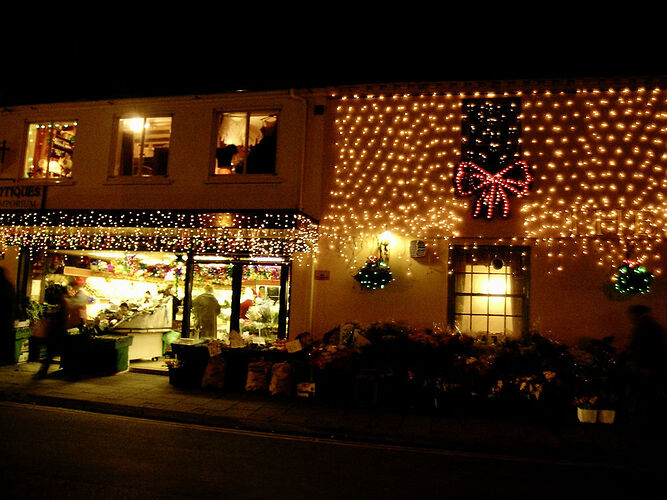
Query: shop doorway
(248, 297)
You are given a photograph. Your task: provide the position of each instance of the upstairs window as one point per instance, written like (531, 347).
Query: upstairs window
(142, 148)
(49, 150)
(246, 143)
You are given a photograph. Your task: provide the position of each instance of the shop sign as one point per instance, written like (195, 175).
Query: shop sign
(26, 197)
(321, 275)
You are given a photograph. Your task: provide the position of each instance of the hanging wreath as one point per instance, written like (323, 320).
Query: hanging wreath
(375, 274)
(632, 278)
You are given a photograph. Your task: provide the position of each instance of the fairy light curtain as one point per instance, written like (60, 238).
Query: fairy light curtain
(280, 234)
(597, 157)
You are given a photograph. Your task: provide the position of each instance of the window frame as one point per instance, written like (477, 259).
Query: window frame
(116, 177)
(244, 176)
(24, 154)
(489, 252)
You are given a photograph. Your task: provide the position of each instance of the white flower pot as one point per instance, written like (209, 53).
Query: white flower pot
(606, 416)
(587, 416)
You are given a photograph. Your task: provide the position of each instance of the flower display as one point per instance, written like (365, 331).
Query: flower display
(587, 402)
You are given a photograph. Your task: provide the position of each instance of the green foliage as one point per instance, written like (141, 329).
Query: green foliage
(29, 310)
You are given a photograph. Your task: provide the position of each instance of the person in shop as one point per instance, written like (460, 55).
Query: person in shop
(76, 301)
(205, 308)
(55, 318)
(123, 311)
(247, 301)
(168, 295)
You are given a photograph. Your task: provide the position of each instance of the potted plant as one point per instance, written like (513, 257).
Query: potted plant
(607, 408)
(598, 374)
(587, 409)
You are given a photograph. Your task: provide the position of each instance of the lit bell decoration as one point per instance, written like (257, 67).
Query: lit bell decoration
(375, 274)
(632, 277)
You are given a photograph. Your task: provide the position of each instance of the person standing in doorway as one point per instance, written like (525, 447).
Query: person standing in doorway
(206, 308)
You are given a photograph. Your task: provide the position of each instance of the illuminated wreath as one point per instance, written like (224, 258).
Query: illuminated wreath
(375, 274)
(632, 278)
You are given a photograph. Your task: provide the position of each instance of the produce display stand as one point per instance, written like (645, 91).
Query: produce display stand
(147, 328)
(95, 355)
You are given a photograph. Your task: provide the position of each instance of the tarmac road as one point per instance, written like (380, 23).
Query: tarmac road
(60, 453)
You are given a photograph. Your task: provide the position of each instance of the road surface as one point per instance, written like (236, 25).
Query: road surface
(58, 453)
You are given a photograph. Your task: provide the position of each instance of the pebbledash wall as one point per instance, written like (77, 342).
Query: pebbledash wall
(188, 184)
(592, 195)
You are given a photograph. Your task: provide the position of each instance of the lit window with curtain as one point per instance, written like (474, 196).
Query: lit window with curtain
(246, 143)
(142, 147)
(488, 290)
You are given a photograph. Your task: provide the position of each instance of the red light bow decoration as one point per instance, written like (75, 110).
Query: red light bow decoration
(492, 189)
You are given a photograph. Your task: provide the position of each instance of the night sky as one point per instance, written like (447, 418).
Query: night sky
(185, 53)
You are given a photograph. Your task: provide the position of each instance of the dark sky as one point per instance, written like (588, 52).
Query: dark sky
(118, 58)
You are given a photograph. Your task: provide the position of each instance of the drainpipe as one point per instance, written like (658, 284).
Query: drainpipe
(302, 162)
(308, 323)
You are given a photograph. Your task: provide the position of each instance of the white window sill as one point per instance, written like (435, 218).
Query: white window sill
(46, 182)
(137, 180)
(244, 179)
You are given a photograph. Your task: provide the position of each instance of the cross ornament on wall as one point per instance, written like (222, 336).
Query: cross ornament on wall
(3, 149)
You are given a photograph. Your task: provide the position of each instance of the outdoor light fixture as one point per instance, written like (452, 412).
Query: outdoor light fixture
(385, 238)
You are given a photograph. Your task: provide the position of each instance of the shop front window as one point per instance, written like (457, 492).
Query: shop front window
(142, 148)
(244, 298)
(124, 293)
(488, 295)
(260, 301)
(145, 294)
(246, 143)
(49, 150)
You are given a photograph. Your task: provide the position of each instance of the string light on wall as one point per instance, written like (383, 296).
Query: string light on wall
(597, 161)
(253, 234)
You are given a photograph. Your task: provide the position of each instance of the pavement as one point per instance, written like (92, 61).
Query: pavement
(151, 396)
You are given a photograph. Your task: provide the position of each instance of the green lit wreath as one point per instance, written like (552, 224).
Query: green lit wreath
(375, 274)
(632, 278)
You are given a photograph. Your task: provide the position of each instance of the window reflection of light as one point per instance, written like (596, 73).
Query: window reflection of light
(496, 285)
(136, 124)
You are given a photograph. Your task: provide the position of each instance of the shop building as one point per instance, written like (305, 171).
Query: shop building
(495, 208)
(192, 215)
(489, 208)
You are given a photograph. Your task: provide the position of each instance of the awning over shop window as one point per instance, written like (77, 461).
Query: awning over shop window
(281, 233)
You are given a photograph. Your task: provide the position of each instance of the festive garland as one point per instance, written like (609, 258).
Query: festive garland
(375, 274)
(632, 277)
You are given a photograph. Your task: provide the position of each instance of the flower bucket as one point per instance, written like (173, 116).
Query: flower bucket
(587, 416)
(606, 416)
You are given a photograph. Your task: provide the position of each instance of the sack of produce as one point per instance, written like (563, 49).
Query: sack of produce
(281, 379)
(258, 376)
(214, 376)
